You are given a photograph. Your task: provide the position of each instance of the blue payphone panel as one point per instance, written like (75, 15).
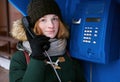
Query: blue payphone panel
(95, 31)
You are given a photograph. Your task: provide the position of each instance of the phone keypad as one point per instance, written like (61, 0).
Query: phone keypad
(90, 33)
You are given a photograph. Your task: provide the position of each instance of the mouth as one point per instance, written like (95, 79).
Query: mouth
(50, 31)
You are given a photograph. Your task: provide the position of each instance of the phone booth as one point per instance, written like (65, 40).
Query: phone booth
(94, 35)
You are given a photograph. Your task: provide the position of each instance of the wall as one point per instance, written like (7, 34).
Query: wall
(8, 14)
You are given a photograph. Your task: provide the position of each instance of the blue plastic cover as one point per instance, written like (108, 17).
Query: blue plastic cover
(67, 7)
(20, 5)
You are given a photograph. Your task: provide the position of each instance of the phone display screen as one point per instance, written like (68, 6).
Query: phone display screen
(93, 19)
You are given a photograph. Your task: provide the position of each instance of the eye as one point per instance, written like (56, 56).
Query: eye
(55, 19)
(42, 20)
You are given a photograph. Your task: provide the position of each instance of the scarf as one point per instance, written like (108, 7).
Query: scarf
(57, 47)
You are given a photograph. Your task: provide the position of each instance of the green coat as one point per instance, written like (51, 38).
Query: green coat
(39, 71)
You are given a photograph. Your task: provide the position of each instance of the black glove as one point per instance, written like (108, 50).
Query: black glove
(38, 45)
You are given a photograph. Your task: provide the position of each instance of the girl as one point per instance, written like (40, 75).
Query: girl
(50, 35)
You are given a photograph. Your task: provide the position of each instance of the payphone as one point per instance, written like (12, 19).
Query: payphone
(95, 31)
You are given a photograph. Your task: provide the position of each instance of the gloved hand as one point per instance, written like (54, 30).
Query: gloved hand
(39, 44)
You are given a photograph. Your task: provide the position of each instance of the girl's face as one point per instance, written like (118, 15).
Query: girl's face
(49, 24)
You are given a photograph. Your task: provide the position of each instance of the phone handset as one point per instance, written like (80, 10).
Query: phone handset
(28, 25)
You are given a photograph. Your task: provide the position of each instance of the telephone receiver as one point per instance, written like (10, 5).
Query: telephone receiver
(27, 26)
(29, 32)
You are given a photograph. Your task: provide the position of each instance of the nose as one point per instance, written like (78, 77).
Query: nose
(50, 24)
